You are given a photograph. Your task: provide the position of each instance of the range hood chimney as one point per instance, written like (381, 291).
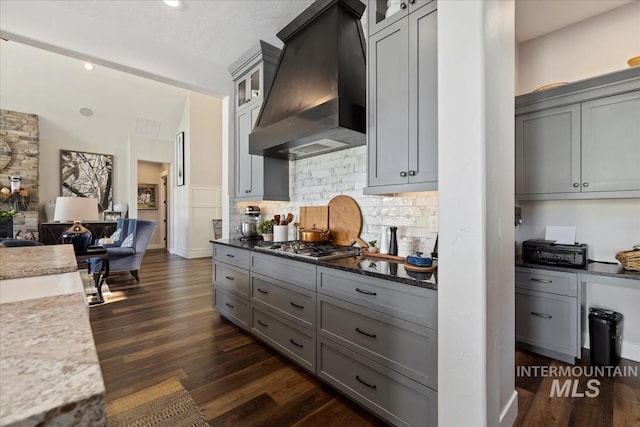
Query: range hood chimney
(317, 100)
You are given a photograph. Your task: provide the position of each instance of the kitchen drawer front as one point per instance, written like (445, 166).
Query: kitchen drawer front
(412, 303)
(233, 256)
(392, 396)
(291, 302)
(231, 278)
(295, 272)
(293, 341)
(402, 346)
(556, 282)
(547, 320)
(232, 307)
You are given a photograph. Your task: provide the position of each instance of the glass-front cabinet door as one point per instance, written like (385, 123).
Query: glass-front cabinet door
(382, 13)
(249, 88)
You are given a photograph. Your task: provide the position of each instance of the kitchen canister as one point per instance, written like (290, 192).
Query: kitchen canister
(280, 233)
(406, 246)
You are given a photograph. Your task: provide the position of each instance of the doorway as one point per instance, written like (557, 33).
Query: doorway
(152, 185)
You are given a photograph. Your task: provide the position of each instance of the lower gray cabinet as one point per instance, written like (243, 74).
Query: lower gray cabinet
(231, 306)
(385, 392)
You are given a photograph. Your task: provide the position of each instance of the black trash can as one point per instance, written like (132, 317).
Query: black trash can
(605, 336)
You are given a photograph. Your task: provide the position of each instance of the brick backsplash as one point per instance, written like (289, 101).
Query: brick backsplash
(316, 180)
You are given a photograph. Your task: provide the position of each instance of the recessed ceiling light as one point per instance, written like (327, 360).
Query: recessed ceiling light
(176, 4)
(87, 112)
(88, 66)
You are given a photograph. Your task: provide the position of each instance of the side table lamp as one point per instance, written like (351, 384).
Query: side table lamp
(76, 209)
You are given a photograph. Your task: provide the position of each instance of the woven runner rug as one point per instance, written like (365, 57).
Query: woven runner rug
(166, 404)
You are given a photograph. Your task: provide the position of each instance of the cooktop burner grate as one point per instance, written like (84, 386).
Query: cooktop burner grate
(317, 251)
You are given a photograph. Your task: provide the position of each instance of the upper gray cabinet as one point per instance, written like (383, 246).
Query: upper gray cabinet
(256, 177)
(402, 125)
(580, 141)
(382, 13)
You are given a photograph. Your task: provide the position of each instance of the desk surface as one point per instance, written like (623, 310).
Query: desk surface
(28, 261)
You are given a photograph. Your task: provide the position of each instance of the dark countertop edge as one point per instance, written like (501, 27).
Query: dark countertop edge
(336, 264)
(594, 269)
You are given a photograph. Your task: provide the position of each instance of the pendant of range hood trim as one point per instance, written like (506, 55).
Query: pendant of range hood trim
(324, 54)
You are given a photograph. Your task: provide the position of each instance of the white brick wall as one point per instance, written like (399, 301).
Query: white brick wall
(316, 180)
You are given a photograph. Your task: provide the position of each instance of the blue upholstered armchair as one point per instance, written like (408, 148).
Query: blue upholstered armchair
(130, 243)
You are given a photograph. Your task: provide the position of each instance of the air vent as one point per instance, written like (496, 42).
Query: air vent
(146, 127)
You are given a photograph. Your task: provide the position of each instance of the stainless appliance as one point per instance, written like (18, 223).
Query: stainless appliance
(550, 253)
(315, 251)
(250, 222)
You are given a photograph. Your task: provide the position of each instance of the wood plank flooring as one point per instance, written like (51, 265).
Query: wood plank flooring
(165, 327)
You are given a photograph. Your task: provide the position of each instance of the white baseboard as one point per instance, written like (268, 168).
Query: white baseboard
(510, 412)
(156, 246)
(201, 252)
(629, 351)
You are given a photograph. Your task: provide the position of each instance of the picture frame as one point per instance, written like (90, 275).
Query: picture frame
(147, 196)
(84, 174)
(180, 159)
(111, 215)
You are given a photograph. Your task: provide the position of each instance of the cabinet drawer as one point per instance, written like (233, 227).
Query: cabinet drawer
(556, 282)
(229, 255)
(412, 303)
(297, 272)
(231, 278)
(387, 393)
(232, 307)
(297, 343)
(402, 346)
(547, 320)
(291, 302)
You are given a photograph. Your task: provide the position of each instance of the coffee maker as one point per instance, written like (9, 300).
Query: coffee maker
(250, 222)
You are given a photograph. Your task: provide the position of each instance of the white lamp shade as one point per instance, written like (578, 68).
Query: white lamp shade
(76, 208)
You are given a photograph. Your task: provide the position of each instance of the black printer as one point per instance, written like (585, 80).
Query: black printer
(549, 252)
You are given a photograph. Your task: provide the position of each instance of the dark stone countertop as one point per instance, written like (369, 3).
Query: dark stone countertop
(594, 268)
(373, 267)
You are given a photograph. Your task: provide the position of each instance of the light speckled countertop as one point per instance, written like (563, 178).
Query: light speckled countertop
(49, 368)
(30, 261)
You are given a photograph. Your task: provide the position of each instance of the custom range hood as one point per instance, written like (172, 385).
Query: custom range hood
(317, 100)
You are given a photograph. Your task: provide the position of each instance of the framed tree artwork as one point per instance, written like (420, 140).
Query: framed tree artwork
(147, 196)
(87, 175)
(180, 159)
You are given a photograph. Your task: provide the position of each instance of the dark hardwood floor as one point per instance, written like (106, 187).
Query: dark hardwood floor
(165, 327)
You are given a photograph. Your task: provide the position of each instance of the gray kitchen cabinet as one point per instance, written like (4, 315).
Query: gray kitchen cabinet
(231, 284)
(580, 141)
(256, 177)
(382, 13)
(402, 131)
(547, 313)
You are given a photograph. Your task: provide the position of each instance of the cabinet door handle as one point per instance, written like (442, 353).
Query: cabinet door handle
(229, 278)
(295, 343)
(364, 291)
(412, 173)
(546, 316)
(365, 333)
(263, 324)
(372, 386)
(403, 174)
(229, 305)
(403, 5)
(585, 184)
(231, 256)
(412, 1)
(533, 279)
(247, 191)
(262, 291)
(575, 184)
(296, 305)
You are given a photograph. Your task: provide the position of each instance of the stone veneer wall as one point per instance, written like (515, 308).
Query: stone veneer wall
(316, 180)
(21, 132)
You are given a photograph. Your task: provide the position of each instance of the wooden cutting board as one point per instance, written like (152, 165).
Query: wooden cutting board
(318, 215)
(345, 221)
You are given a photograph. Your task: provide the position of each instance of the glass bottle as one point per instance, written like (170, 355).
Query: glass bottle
(393, 244)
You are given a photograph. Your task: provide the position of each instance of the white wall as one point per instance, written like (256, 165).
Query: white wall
(587, 49)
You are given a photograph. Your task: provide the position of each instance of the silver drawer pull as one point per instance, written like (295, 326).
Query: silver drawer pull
(231, 256)
(262, 291)
(229, 277)
(296, 305)
(373, 386)
(263, 324)
(229, 305)
(546, 316)
(541, 281)
(295, 343)
(365, 333)
(362, 291)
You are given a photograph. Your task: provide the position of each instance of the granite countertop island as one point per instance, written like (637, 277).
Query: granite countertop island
(374, 267)
(49, 369)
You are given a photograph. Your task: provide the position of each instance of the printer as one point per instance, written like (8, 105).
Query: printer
(548, 252)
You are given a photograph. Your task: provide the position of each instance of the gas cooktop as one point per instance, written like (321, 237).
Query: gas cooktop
(315, 251)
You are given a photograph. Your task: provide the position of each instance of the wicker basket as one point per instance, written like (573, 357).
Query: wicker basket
(630, 260)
